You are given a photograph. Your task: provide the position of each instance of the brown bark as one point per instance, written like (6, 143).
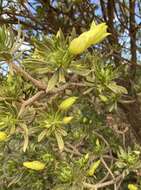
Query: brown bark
(110, 14)
(133, 110)
(133, 38)
(133, 115)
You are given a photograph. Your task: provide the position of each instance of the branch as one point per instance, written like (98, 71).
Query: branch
(108, 169)
(27, 76)
(133, 39)
(30, 101)
(101, 185)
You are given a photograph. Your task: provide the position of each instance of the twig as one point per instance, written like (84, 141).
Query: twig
(27, 76)
(72, 151)
(30, 101)
(106, 166)
(73, 148)
(101, 185)
(109, 170)
(38, 95)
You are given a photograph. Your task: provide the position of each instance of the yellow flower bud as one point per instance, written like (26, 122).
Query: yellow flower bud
(67, 120)
(95, 35)
(3, 136)
(66, 104)
(93, 168)
(132, 187)
(34, 165)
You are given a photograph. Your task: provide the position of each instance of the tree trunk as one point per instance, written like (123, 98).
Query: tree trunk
(133, 114)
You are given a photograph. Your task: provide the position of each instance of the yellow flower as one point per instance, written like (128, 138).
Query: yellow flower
(3, 136)
(95, 35)
(34, 165)
(67, 119)
(132, 187)
(67, 103)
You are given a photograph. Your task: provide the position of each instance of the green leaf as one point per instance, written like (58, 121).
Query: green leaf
(8, 43)
(26, 139)
(12, 130)
(42, 135)
(88, 90)
(59, 141)
(80, 69)
(117, 89)
(61, 76)
(60, 35)
(53, 81)
(112, 107)
(97, 143)
(62, 132)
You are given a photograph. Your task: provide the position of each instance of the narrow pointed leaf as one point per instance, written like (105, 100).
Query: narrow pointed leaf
(59, 141)
(53, 81)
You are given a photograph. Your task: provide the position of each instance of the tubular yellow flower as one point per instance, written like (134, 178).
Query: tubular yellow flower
(96, 34)
(132, 187)
(34, 165)
(67, 119)
(3, 136)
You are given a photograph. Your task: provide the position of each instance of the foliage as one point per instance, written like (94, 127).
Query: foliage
(55, 131)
